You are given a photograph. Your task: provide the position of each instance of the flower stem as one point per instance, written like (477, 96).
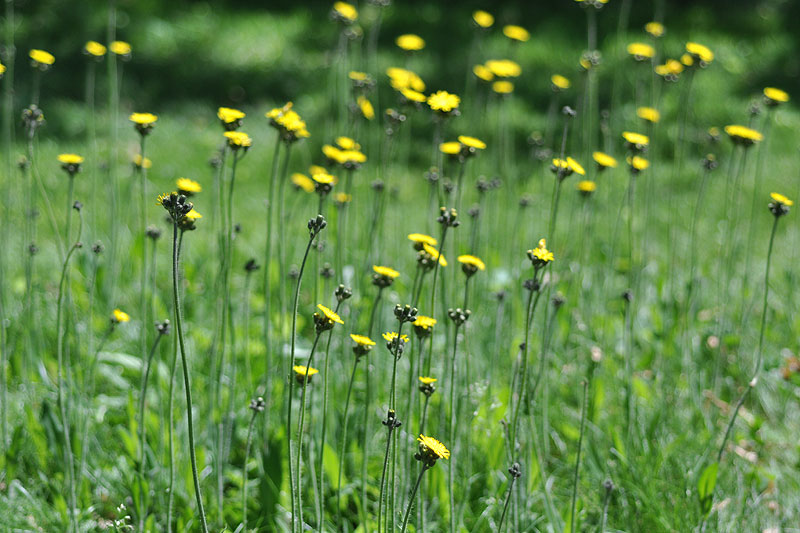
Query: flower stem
(411, 498)
(244, 469)
(344, 442)
(578, 458)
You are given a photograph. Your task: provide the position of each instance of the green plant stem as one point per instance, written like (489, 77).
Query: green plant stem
(505, 506)
(391, 427)
(268, 249)
(578, 458)
(452, 432)
(344, 441)
(244, 468)
(411, 498)
(300, 425)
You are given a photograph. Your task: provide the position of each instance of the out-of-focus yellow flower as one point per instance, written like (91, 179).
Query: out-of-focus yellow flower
(346, 143)
(420, 239)
(775, 96)
(586, 187)
(743, 135)
(472, 142)
(699, 51)
(450, 148)
(483, 19)
(362, 340)
(641, 51)
(540, 255)
(70, 159)
(472, 260)
(230, 116)
(94, 49)
(385, 271)
(781, 199)
(120, 48)
(366, 107)
(238, 139)
(604, 160)
(410, 42)
(637, 163)
(188, 187)
(636, 141)
(301, 181)
(41, 57)
(118, 316)
(656, 29)
(344, 12)
(137, 161)
(434, 253)
(649, 114)
(443, 102)
(559, 82)
(483, 72)
(329, 314)
(413, 96)
(143, 119)
(516, 33)
(504, 68)
(401, 78)
(503, 87)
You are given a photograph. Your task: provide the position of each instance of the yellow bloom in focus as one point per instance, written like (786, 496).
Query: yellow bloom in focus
(637, 163)
(649, 114)
(743, 135)
(304, 373)
(70, 159)
(636, 140)
(390, 336)
(427, 380)
(362, 340)
(450, 148)
(503, 87)
(143, 119)
(429, 445)
(516, 33)
(559, 82)
(699, 51)
(434, 253)
(95, 49)
(471, 142)
(656, 29)
(229, 115)
(443, 102)
(781, 199)
(188, 187)
(504, 68)
(421, 238)
(586, 187)
(775, 96)
(471, 260)
(329, 314)
(483, 72)
(345, 12)
(302, 181)
(366, 107)
(238, 139)
(424, 322)
(604, 160)
(385, 271)
(410, 42)
(120, 48)
(40, 57)
(118, 316)
(483, 19)
(641, 51)
(540, 255)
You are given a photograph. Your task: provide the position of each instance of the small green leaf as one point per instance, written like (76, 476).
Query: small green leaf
(705, 487)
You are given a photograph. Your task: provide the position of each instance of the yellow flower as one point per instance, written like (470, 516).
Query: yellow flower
(443, 102)
(586, 187)
(775, 96)
(516, 33)
(450, 148)
(342, 198)
(656, 29)
(483, 72)
(672, 67)
(121, 48)
(427, 380)
(424, 322)
(238, 139)
(143, 119)
(346, 143)
(504, 68)
(401, 78)
(385, 271)
(503, 87)
(540, 255)
(421, 238)
(434, 253)
(185, 185)
(323, 178)
(743, 135)
(413, 96)
(471, 142)
(302, 181)
(366, 107)
(637, 163)
(390, 336)
(570, 165)
(137, 161)
(429, 445)
(781, 199)
(118, 316)
(329, 314)
(641, 51)
(229, 115)
(471, 260)
(345, 12)
(483, 19)
(698, 51)
(70, 159)
(93, 48)
(362, 340)
(304, 373)
(278, 112)
(357, 76)
(40, 57)
(636, 140)
(649, 114)
(559, 82)
(410, 42)
(604, 160)
(193, 215)
(2, 70)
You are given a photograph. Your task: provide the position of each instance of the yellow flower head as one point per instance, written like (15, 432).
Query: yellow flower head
(434, 253)
(471, 142)
(780, 204)
(410, 42)
(188, 187)
(420, 238)
(540, 255)
(41, 58)
(503, 87)
(390, 337)
(362, 340)
(778, 197)
(401, 78)
(329, 314)
(586, 187)
(483, 19)
(70, 159)
(137, 161)
(566, 167)
(516, 33)
(656, 29)
(483, 72)
(238, 139)
(424, 322)
(637, 163)
(413, 96)
(193, 215)
(120, 48)
(143, 119)
(323, 178)
(775, 96)
(504, 68)
(743, 135)
(450, 148)
(699, 51)
(230, 116)
(443, 102)
(427, 380)
(2, 70)
(471, 261)
(118, 316)
(346, 143)
(357, 76)
(559, 82)
(636, 141)
(344, 12)
(385, 271)
(641, 51)
(671, 68)
(94, 49)
(431, 450)
(342, 198)
(604, 160)
(649, 114)
(366, 107)
(303, 373)
(301, 181)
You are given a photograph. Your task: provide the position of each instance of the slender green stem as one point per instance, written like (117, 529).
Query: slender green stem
(411, 498)
(268, 250)
(578, 458)
(344, 441)
(452, 433)
(300, 425)
(505, 506)
(390, 425)
(244, 468)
